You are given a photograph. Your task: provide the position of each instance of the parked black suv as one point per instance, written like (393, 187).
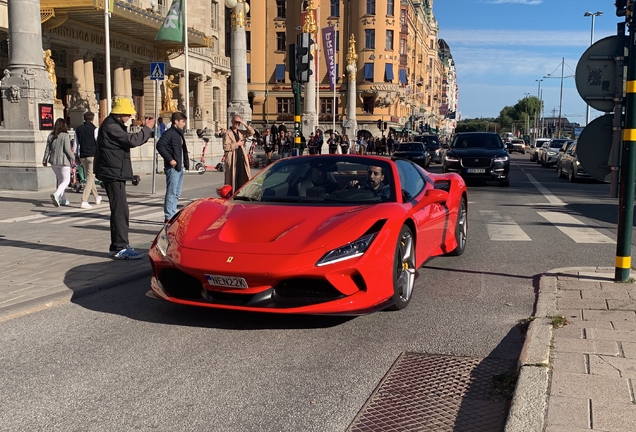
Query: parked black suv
(478, 155)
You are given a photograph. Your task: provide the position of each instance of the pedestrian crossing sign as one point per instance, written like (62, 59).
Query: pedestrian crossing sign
(157, 71)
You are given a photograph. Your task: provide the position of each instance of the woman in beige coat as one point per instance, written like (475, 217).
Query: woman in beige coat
(237, 168)
(59, 154)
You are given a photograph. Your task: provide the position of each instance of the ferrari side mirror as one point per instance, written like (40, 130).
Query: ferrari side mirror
(224, 192)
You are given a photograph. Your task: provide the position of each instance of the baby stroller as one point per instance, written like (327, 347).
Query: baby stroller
(78, 177)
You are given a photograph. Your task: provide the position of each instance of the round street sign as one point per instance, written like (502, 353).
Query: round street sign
(594, 147)
(595, 74)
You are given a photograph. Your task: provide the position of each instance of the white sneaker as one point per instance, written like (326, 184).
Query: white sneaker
(85, 205)
(98, 200)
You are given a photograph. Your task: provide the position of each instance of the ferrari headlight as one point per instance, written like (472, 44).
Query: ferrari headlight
(350, 250)
(162, 241)
(502, 158)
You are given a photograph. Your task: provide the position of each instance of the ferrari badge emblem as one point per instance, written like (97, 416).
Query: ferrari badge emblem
(229, 260)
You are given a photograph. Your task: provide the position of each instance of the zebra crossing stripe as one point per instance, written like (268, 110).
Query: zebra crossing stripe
(574, 228)
(503, 228)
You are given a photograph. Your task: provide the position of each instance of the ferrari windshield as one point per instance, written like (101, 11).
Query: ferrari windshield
(340, 180)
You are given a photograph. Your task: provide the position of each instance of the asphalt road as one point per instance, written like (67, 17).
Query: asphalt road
(118, 360)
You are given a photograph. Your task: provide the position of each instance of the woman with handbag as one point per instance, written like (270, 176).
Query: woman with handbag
(59, 154)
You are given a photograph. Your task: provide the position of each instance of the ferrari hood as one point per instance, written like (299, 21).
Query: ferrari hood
(226, 226)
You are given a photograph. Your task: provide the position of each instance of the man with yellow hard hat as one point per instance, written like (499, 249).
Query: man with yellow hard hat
(114, 168)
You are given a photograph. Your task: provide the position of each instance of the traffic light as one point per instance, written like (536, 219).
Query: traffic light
(384, 126)
(291, 62)
(621, 7)
(303, 57)
(379, 124)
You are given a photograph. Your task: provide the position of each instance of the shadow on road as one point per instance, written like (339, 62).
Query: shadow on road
(130, 300)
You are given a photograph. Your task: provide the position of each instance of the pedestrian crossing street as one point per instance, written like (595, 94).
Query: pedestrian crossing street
(500, 227)
(143, 212)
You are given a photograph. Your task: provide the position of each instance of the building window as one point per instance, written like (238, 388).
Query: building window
(326, 105)
(431, 43)
(402, 17)
(280, 41)
(281, 8)
(335, 8)
(389, 40)
(214, 15)
(249, 73)
(370, 7)
(390, 7)
(249, 11)
(403, 46)
(367, 104)
(284, 105)
(369, 38)
(248, 40)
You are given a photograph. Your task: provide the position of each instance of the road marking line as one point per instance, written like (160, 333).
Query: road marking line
(546, 193)
(503, 228)
(32, 217)
(575, 229)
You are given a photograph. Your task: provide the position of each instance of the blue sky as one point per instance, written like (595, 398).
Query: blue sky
(501, 47)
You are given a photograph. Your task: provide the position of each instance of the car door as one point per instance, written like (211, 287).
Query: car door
(567, 163)
(429, 219)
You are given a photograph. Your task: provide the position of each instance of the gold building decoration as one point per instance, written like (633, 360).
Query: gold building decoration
(49, 64)
(310, 26)
(352, 58)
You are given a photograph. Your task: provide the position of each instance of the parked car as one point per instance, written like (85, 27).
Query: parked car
(478, 155)
(550, 151)
(431, 142)
(413, 151)
(533, 148)
(566, 146)
(517, 145)
(570, 167)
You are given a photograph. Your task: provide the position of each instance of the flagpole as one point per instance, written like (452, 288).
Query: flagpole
(107, 55)
(318, 45)
(335, 107)
(187, 65)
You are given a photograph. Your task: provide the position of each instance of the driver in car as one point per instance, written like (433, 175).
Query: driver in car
(375, 178)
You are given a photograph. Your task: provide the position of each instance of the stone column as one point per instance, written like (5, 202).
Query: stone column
(119, 86)
(89, 78)
(239, 102)
(182, 88)
(200, 121)
(78, 104)
(128, 79)
(25, 84)
(351, 125)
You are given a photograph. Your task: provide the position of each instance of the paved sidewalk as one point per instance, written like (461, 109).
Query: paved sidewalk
(50, 255)
(579, 376)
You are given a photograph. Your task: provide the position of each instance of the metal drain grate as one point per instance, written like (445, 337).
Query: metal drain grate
(423, 392)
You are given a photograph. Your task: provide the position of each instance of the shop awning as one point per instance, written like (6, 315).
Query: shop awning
(403, 79)
(388, 72)
(368, 71)
(280, 72)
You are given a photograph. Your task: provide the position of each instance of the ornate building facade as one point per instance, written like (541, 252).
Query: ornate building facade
(402, 77)
(74, 34)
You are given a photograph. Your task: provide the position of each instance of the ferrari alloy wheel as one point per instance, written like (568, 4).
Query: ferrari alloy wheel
(461, 229)
(403, 269)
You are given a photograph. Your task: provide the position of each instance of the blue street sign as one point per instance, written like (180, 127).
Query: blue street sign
(157, 71)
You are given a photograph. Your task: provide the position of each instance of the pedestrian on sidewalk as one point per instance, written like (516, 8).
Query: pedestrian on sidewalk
(172, 148)
(59, 154)
(86, 138)
(114, 168)
(237, 168)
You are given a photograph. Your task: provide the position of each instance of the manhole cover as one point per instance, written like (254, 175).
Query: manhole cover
(423, 392)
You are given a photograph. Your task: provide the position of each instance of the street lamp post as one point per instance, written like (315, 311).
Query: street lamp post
(538, 116)
(526, 96)
(593, 15)
(560, 94)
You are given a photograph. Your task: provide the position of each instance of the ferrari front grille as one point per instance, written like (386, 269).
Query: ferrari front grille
(180, 285)
(476, 162)
(299, 292)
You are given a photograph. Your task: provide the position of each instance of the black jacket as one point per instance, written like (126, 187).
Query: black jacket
(172, 146)
(85, 137)
(112, 159)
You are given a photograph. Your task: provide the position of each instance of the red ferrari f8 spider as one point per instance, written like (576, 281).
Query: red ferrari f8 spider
(325, 234)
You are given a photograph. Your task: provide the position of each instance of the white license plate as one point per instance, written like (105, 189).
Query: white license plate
(475, 170)
(226, 281)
